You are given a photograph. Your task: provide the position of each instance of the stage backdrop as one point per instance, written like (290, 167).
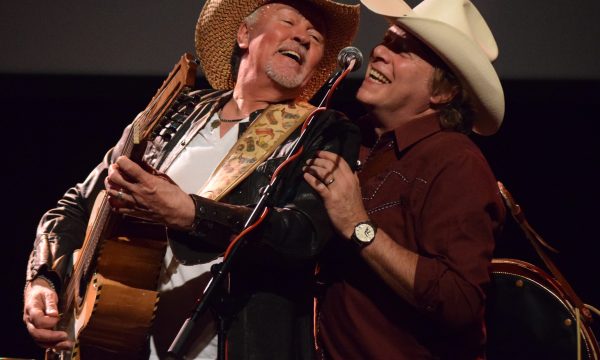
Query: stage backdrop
(73, 74)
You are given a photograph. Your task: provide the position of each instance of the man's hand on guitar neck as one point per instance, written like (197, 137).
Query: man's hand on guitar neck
(137, 192)
(40, 314)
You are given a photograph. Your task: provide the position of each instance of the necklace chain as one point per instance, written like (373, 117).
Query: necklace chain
(228, 120)
(217, 122)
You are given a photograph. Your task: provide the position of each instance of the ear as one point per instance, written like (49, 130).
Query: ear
(443, 97)
(243, 36)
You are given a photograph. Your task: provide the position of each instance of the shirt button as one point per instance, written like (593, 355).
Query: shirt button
(358, 166)
(183, 143)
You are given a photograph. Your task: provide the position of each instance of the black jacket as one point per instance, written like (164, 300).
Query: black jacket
(271, 280)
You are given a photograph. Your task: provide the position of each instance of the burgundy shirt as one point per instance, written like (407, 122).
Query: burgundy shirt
(433, 192)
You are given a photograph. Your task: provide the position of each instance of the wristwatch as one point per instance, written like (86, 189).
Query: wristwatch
(364, 233)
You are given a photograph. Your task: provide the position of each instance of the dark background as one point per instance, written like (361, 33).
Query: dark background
(538, 39)
(73, 74)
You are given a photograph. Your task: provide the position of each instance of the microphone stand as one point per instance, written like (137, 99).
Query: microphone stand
(221, 270)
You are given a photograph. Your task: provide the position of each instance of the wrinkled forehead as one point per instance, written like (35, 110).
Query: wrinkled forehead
(309, 11)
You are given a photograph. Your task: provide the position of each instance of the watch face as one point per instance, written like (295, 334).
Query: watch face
(364, 232)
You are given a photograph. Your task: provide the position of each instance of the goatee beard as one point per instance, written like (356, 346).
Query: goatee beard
(288, 82)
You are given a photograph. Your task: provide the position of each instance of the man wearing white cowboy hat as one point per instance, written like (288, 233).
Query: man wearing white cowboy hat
(417, 222)
(264, 59)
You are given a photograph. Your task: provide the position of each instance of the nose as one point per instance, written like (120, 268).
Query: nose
(302, 38)
(379, 52)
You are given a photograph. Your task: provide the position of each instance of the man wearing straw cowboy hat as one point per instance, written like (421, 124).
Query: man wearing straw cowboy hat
(417, 222)
(264, 60)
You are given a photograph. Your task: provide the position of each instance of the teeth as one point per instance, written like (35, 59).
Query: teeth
(292, 54)
(378, 77)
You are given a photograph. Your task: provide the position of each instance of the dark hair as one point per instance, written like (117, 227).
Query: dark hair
(234, 61)
(456, 114)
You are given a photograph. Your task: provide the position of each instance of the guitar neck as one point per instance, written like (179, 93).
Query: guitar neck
(176, 86)
(172, 92)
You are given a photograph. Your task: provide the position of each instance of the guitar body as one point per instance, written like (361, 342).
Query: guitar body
(116, 305)
(121, 299)
(110, 297)
(530, 316)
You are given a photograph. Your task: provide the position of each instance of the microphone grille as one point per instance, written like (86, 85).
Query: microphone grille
(347, 54)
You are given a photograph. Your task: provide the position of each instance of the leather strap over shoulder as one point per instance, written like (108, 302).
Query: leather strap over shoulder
(538, 244)
(275, 124)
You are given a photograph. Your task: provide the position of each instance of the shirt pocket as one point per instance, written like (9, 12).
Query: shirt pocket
(389, 189)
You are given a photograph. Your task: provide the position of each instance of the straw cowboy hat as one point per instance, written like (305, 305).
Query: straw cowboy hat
(456, 31)
(220, 20)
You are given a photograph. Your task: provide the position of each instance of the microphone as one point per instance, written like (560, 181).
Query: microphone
(346, 55)
(349, 59)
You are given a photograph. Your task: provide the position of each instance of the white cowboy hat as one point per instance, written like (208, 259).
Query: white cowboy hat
(458, 34)
(220, 20)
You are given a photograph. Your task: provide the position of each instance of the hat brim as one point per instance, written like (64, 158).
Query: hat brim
(220, 20)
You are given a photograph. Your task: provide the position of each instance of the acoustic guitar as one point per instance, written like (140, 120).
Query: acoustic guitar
(110, 296)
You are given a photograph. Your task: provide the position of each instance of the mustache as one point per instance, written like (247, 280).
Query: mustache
(294, 47)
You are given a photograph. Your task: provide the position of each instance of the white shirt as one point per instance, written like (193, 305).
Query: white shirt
(190, 170)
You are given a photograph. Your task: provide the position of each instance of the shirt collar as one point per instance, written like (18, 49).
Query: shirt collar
(416, 129)
(405, 135)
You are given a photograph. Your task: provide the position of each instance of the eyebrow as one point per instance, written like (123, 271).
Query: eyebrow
(316, 21)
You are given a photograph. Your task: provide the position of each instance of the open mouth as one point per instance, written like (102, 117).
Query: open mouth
(378, 77)
(292, 55)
